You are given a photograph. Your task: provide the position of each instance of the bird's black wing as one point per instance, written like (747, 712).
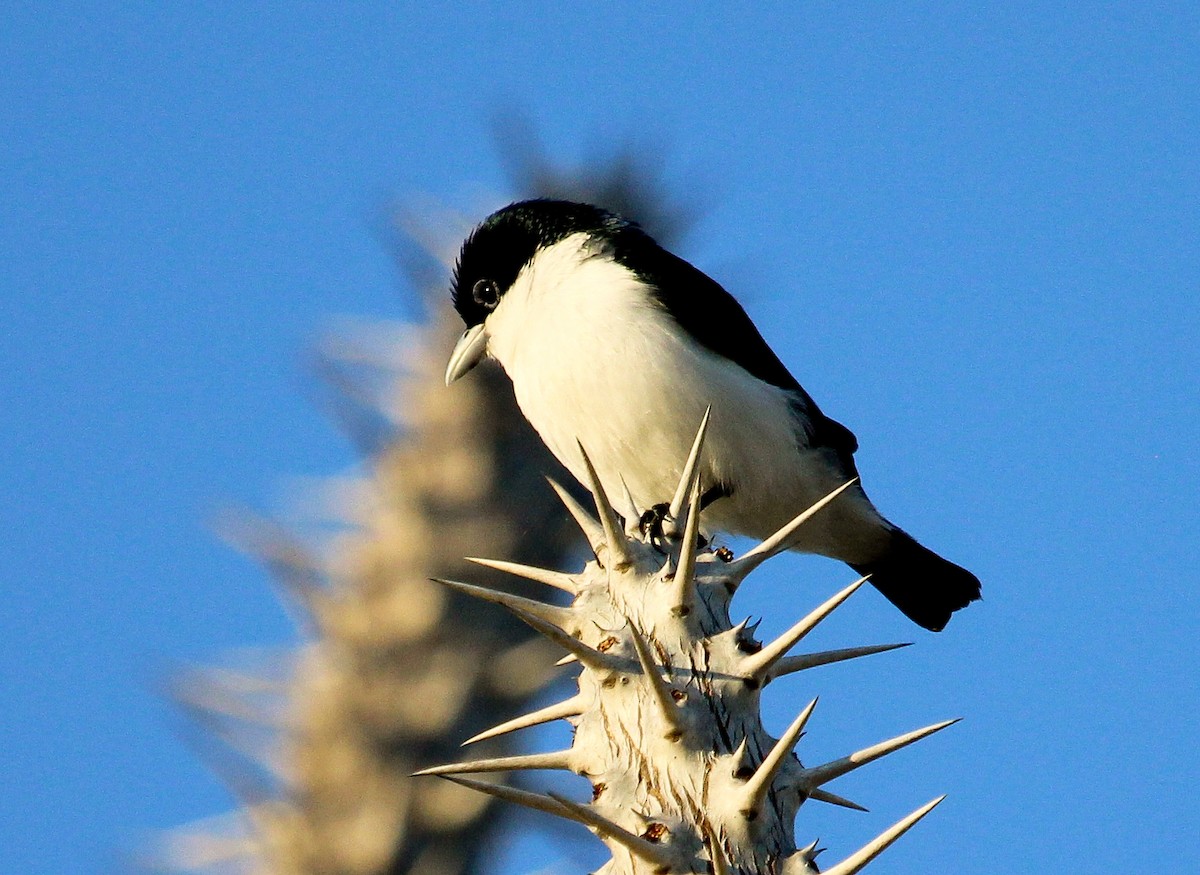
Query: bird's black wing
(717, 321)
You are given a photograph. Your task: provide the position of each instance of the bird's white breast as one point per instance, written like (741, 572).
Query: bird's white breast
(592, 357)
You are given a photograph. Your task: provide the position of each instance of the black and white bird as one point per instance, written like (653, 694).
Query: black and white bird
(609, 338)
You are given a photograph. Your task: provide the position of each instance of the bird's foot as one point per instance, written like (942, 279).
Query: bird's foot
(652, 525)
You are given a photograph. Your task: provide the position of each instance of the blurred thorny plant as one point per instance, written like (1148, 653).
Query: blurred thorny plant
(394, 670)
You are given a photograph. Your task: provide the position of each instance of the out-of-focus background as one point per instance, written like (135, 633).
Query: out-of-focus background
(971, 233)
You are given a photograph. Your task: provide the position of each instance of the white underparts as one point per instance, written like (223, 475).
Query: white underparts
(593, 357)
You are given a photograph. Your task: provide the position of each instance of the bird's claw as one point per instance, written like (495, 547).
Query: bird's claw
(652, 525)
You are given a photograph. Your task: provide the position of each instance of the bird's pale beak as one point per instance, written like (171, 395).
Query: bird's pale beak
(468, 352)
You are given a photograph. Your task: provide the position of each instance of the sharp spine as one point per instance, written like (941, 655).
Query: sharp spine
(559, 759)
(685, 574)
(809, 852)
(716, 852)
(572, 707)
(833, 799)
(556, 579)
(792, 664)
(614, 537)
(739, 754)
(606, 828)
(554, 804)
(779, 541)
(813, 778)
(691, 467)
(633, 517)
(592, 530)
(589, 656)
(760, 782)
(758, 665)
(550, 613)
(536, 801)
(872, 849)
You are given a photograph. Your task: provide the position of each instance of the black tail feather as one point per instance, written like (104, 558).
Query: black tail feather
(926, 587)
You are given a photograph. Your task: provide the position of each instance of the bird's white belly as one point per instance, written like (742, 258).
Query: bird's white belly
(604, 366)
(637, 419)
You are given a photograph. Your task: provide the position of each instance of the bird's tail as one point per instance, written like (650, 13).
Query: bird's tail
(926, 587)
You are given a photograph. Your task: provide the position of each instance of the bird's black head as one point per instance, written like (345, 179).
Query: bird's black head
(507, 240)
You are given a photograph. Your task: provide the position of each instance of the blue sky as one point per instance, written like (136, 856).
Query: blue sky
(971, 232)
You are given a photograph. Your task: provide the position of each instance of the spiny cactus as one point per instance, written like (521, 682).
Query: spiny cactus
(667, 728)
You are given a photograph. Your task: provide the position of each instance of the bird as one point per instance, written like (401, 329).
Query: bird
(613, 342)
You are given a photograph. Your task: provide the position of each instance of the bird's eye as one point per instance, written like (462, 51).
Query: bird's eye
(486, 294)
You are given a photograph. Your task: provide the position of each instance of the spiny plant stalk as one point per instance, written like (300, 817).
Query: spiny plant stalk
(666, 717)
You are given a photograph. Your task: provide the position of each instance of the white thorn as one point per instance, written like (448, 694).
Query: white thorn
(833, 799)
(872, 849)
(780, 541)
(559, 759)
(550, 613)
(810, 779)
(760, 782)
(536, 801)
(685, 574)
(739, 755)
(614, 537)
(633, 516)
(756, 666)
(591, 529)
(690, 469)
(556, 579)
(811, 851)
(792, 664)
(661, 691)
(564, 808)
(716, 852)
(606, 828)
(572, 707)
(589, 656)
